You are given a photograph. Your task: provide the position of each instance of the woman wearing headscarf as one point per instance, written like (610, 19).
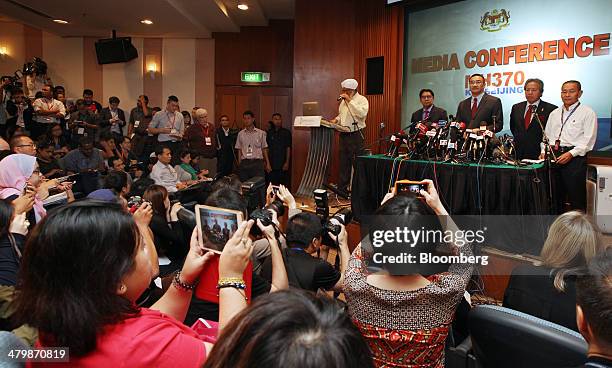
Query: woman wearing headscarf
(19, 174)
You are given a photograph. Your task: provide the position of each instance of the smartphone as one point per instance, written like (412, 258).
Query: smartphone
(275, 189)
(410, 186)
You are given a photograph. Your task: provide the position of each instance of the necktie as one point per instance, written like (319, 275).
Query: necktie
(426, 115)
(528, 116)
(474, 107)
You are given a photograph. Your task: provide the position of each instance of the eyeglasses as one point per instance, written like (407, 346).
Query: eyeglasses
(33, 145)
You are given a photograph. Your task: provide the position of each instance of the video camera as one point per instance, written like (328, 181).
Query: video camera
(14, 81)
(36, 66)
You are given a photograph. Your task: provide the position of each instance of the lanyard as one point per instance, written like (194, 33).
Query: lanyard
(205, 129)
(173, 118)
(566, 119)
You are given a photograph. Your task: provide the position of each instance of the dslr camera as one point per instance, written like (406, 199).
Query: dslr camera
(265, 215)
(331, 225)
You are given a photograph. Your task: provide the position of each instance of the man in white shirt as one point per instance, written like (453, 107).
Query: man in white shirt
(47, 111)
(572, 131)
(169, 127)
(163, 173)
(352, 114)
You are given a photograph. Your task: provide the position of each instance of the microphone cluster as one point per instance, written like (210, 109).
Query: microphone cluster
(448, 141)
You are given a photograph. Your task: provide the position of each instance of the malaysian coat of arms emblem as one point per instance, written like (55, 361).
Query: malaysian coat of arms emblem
(495, 20)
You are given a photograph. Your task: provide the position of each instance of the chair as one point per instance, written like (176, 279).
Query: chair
(503, 337)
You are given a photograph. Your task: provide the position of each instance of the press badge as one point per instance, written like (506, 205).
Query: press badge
(208, 141)
(249, 152)
(80, 131)
(136, 123)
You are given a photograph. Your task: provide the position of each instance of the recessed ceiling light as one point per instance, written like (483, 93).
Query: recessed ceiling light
(242, 6)
(60, 21)
(146, 21)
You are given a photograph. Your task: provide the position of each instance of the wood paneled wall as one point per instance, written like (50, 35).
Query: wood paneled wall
(331, 43)
(258, 49)
(380, 32)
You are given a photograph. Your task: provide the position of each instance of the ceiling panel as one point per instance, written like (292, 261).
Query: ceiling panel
(172, 18)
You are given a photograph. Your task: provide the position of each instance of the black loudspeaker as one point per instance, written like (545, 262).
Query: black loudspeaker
(115, 50)
(375, 74)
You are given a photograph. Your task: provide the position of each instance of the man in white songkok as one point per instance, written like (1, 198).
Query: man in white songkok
(352, 113)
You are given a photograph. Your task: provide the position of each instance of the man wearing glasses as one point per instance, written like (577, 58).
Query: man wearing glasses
(23, 144)
(480, 107)
(429, 113)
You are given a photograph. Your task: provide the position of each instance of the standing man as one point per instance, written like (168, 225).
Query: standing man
(572, 131)
(169, 127)
(352, 113)
(428, 113)
(112, 119)
(252, 149)
(524, 120)
(21, 111)
(279, 145)
(140, 118)
(226, 141)
(480, 107)
(5, 96)
(201, 140)
(92, 105)
(81, 123)
(48, 111)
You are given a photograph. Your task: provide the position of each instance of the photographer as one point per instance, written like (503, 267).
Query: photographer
(304, 269)
(20, 109)
(82, 123)
(5, 96)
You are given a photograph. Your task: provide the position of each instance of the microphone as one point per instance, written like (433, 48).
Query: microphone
(397, 140)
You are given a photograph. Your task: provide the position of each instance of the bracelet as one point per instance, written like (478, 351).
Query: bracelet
(235, 285)
(230, 279)
(239, 287)
(176, 281)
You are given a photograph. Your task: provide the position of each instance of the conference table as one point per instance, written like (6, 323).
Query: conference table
(503, 194)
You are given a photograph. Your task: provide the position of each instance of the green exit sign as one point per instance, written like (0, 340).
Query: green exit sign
(254, 77)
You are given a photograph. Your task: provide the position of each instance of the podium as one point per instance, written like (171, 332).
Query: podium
(319, 152)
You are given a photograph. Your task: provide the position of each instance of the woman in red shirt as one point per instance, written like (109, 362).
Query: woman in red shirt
(83, 269)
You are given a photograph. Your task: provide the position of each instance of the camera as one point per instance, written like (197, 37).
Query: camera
(409, 186)
(134, 203)
(265, 215)
(331, 225)
(13, 82)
